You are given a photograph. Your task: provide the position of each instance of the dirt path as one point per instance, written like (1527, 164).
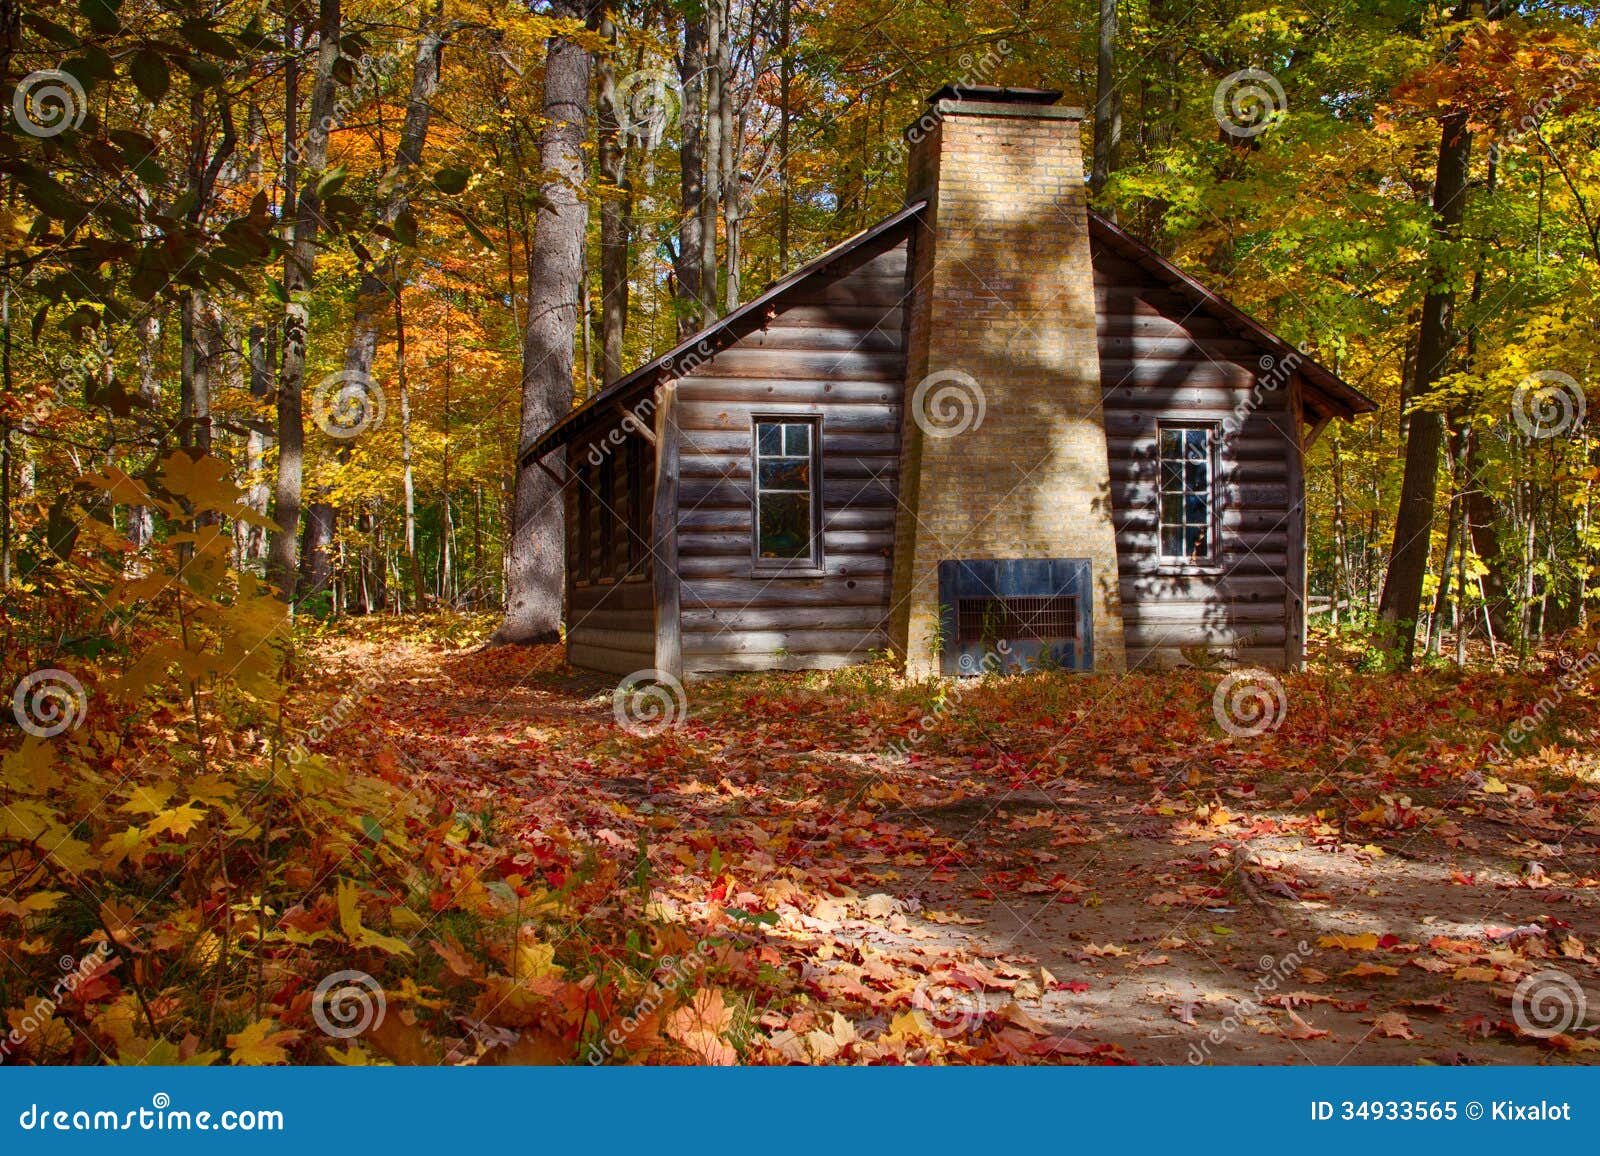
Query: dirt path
(1125, 908)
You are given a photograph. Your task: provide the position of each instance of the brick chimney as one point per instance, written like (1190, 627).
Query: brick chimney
(1003, 458)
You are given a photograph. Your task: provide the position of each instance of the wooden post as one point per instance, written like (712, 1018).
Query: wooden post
(1294, 607)
(664, 537)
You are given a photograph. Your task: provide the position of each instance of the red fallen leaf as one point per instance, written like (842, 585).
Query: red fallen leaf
(1076, 985)
(1388, 940)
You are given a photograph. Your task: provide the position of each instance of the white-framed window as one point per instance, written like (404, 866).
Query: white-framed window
(1188, 491)
(788, 492)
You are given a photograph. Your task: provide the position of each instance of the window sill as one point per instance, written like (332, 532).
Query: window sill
(1176, 567)
(798, 570)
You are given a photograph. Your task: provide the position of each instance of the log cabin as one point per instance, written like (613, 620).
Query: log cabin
(991, 424)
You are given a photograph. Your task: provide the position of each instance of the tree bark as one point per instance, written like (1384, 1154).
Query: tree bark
(1107, 105)
(299, 269)
(689, 262)
(616, 213)
(1408, 557)
(534, 564)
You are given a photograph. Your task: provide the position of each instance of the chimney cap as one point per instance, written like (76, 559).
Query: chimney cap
(995, 94)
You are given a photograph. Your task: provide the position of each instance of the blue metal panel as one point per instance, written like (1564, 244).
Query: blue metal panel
(1015, 578)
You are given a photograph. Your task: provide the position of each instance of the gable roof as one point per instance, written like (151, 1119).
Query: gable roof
(682, 358)
(1328, 394)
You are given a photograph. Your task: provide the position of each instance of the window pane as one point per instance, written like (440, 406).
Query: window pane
(1171, 509)
(1197, 542)
(769, 438)
(1194, 510)
(785, 525)
(1172, 541)
(1197, 475)
(786, 474)
(1197, 441)
(1172, 443)
(797, 440)
(1172, 475)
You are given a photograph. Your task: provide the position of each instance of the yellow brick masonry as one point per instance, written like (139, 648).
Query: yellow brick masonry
(1005, 294)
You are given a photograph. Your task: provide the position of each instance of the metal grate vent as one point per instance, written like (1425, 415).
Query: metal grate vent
(1017, 619)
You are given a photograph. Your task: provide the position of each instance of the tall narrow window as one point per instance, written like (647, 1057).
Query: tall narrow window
(787, 494)
(1186, 492)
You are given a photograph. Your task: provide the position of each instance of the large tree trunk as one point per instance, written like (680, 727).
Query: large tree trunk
(715, 153)
(689, 264)
(616, 213)
(1401, 600)
(1107, 104)
(299, 269)
(534, 577)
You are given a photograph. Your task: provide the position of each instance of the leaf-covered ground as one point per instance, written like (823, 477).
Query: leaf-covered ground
(402, 848)
(849, 868)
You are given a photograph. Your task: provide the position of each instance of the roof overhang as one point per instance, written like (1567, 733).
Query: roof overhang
(1325, 393)
(682, 359)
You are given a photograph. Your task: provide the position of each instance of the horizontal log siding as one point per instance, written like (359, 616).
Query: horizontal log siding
(611, 618)
(1162, 360)
(834, 349)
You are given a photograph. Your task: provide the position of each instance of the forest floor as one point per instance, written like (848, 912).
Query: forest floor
(1045, 868)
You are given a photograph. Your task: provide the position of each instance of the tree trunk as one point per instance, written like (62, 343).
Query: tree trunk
(534, 577)
(298, 269)
(715, 158)
(616, 213)
(252, 539)
(1107, 106)
(1408, 558)
(689, 262)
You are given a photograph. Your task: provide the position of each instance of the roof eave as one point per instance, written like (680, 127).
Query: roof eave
(1338, 397)
(708, 341)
